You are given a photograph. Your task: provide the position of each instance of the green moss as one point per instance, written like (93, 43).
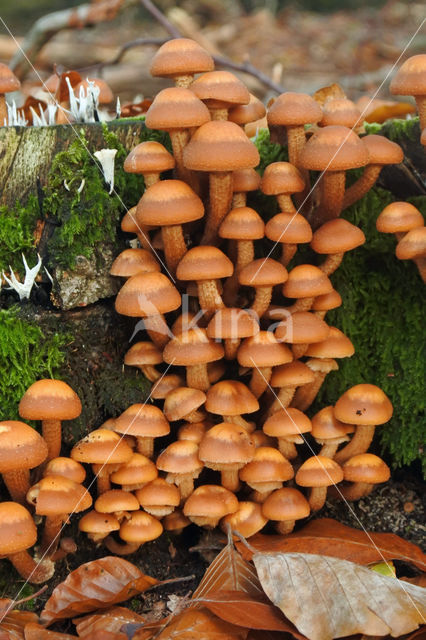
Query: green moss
(269, 151)
(396, 129)
(25, 356)
(17, 234)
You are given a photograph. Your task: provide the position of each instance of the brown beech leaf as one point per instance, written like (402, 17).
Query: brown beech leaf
(328, 598)
(34, 631)
(13, 624)
(255, 634)
(244, 610)
(95, 585)
(111, 620)
(229, 572)
(201, 624)
(326, 536)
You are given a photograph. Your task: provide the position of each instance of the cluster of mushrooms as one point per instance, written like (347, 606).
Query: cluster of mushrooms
(237, 346)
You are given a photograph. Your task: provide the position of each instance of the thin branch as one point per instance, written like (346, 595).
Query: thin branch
(161, 18)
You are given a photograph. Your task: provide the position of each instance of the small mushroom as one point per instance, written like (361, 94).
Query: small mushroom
(208, 504)
(285, 506)
(318, 473)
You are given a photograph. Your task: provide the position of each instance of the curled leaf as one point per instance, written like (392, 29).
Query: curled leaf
(111, 620)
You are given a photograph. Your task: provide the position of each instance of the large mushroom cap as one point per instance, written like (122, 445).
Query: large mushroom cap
(49, 400)
(132, 261)
(147, 294)
(364, 404)
(230, 398)
(333, 148)
(340, 111)
(245, 113)
(17, 529)
(366, 467)
(319, 471)
(142, 420)
(268, 465)
(140, 527)
(242, 223)
(56, 495)
(335, 345)
(102, 446)
(399, 217)
(306, 281)
(182, 401)
(280, 178)
(116, 500)
(263, 350)
(211, 501)
(220, 146)
(410, 79)
(337, 236)
(287, 422)
(180, 56)
(291, 374)
(264, 272)
(248, 520)
(286, 504)
(142, 353)
(21, 447)
(326, 426)
(291, 228)
(169, 202)
(383, 151)
(412, 245)
(149, 157)
(302, 327)
(176, 108)
(232, 323)
(204, 263)
(226, 444)
(292, 108)
(217, 88)
(192, 347)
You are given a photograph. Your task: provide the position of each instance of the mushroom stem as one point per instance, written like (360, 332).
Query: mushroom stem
(179, 139)
(195, 416)
(51, 432)
(287, 253)
(174, 246)
(288, 449)
(230, 479)
(285, 527)
(51, 534)
(197, 377)
(239, 199)
(421, 108)
(231, 348)
(145, 446)
(239, 420)
(3, 109)
(143, 237)
(362, 185)
(283, 399)
(120, 549)
(209, 296)
(332, 194)
(306, 394)
(260, 496)
(260, 380)
(157, 329)
(101, 472)
(359, 443)
(29, 569)
(285, 203)
(245, 255)
(220, 204)
(18, 484)
(184, 80)
(262, 301)
(296, 141)
(184, 482)
(219, 114)
(329, 449)
(356, 490)
(331, 263)
(316, 498)
(301, 304)
(150, 179)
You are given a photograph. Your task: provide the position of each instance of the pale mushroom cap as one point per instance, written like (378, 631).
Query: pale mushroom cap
(94, 522)
(182, 401)
(399, 217)
(220, 87)
(132, 261)
(192, 347)
(180, 457)
(336, 345)
(366, 467)
(140, 527)
(267, 465)
(242, 223)
(56, 495)
(291, 228)
(382, 151)
(65, 467)
(280, 178)
(169, 202)
(101, 446)
(142, 420)
(232, 323)
(337, 236)
(286, 504)
(212, 501)
(204, 263)
(306, 281)
(137, 470)
(291, 374)
(410, 79)
(180, 56)
(248, 520)
(17, 529)
(21, 446)
(176, 108)
(8, 81)
(302, 327)
(263, 350)
(333, 148)
(292, 108)
(142, 353)
(230, 398)
(220, 146)
(326, 426)
(264, 272)
(116, 500)
(364, 404)
(412, 245)
(158, 493)
(226, 444)
(49, 400)
(319, 471)
(147, 294)
(287, 422)
(149, 157)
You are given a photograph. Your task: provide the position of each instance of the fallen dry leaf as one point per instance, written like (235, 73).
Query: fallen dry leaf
(111, 620)
(229, 572)
(34, 631)
(201, 624)
(244, 610)
(333, 92)
(14, 622)
(328, 537)
(95, 585)
(328, 598)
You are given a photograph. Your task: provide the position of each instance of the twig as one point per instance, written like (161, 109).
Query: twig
(161, 18)
(49, 25)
